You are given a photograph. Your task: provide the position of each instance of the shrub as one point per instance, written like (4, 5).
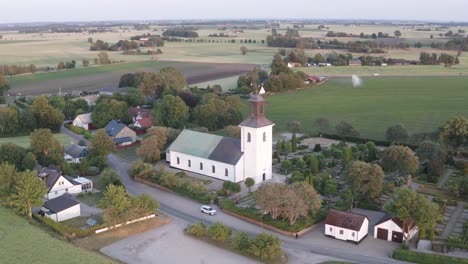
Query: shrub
(231, 187)
(92, 171)
(219, 232)
(265, 246)
(425, 258)
(240, 241)
(197, 229)
(326, 153)
(317, 148)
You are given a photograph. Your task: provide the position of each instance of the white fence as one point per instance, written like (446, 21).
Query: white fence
(126, 223)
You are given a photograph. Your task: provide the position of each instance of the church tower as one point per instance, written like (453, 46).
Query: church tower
(256, 141)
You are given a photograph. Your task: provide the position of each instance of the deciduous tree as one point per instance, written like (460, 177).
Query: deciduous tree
(4, 84)
(107, 109)
(249, 182)
(366, 179)
(115, 203)
(345, 129)
(322, 124)
(28, 192)
(171, 111)
(397, 134)
(102, 144)
(46, 116)
(455, 133)
(144, 205)
(401, 159)
(46, 147)
(243, 50)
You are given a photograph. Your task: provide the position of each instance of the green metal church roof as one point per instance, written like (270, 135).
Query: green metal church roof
(195, 143)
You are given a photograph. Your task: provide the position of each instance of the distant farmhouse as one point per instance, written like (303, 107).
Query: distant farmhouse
(121, 135)
(346, 226)
(83, 121)
(228, 158)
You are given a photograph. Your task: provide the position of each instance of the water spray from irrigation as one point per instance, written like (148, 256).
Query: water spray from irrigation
(356, 80)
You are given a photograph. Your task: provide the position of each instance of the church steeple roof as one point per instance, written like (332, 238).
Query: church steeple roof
(256, 116)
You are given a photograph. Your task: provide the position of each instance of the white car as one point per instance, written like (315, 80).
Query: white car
(207, 210)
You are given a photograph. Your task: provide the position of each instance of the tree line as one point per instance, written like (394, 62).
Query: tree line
(432, 59)
(180, 32)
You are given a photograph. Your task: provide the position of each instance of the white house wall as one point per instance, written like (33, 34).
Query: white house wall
(348, 234)
(66, 214)
(61, 187)
(392, 227)
(207, 166)
(364, 230)
(257, 153)
(78, 123)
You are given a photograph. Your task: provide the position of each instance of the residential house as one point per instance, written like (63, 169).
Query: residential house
(74, 153)
(138, 113)
(120, 133)
(354, 63)
(55, 182)
(346, 226)
(390, 228)
(58, 185)
(61, 208)
(143, 123)
(84, 121)
(311, 79)
(324, 64)
(294, 65)
(225, 158)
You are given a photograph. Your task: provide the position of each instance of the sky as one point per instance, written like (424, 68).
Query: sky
(105, 10)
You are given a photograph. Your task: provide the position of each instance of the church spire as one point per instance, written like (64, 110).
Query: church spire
(256, 116)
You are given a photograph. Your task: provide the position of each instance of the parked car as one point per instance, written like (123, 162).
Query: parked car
(207, 210)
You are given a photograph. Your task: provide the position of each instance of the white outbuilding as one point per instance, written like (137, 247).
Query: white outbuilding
(83, 121)
(346, 226)
(391, 228)
(61, 208)
(226, 158)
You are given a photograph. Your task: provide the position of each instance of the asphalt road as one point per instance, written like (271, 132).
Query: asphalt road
(188, 210)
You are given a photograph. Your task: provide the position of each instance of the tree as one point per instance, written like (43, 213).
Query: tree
(28, 192)
(233, 131)
(103, 58)
(7, 177)
(294, 142)
(240, 241)
(397, 134)
(397, 33)
(4, 85)
(318, 58)
(90, 40)
(171, 78)
(85, 62)
(345, 129)
(101, 144)
(265, 246)
(231, 187)
(294, 126)
(455, 133)
(286, 166)
(108, 109)
(243, 50)
(435, 156)
(366, 179)
(144, 205)
(322, 123)
(269, 196)
(171, 111)
(415, 210)
(46, 147)
(150, 149)
(347, 155)
(249, 182)
(46, 115)
(115, 204)
(219, 232)
(309, 195)
(133, 97)
(278, 66)
(109, 177)
(401, 159)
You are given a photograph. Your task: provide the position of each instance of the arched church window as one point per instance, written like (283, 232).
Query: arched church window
(264, 136)
(248, 137)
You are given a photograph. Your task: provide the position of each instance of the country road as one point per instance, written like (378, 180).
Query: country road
(307, 246)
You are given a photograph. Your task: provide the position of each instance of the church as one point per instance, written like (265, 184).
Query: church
(227, 158)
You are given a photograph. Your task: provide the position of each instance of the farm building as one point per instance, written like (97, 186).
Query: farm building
(83, 121)
(346, 226)
(120, 133)
(138, 113)
(228, 158)
(57, 184)
(61, 208)
(391, 228)
(74, 153)
(294, 65)
(354, 62)
(312, 79)
(143, 123)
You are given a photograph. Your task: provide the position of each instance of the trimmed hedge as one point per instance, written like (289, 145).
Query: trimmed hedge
(425, 258)
(279, 223)
(67, 231)
(365, 140)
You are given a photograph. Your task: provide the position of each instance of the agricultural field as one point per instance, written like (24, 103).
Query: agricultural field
(226, 83)
(22, 242)
(96, 78)
(421, 104)
(24, 141)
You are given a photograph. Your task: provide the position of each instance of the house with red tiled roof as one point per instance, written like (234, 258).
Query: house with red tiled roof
(138, 113)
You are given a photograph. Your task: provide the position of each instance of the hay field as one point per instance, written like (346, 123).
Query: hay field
(422, 104)
(21, 242)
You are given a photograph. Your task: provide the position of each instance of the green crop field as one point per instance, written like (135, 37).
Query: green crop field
(24, 141)
(226, 83)
(21, 242)
(422, 104)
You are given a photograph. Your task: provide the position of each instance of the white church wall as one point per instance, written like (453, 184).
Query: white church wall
(181, 161)
(257, 153)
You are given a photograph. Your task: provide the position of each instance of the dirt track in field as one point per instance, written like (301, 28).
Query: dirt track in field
(194, 72)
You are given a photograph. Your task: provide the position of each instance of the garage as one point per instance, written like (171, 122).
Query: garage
(397, 237)
(382, 233)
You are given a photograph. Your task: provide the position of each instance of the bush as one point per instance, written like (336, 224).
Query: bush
(219, 232)
(231, 187)
(425, 258)
(317, 148)
(93, 171)
(197, 229)
(240, 241)
(265, 246)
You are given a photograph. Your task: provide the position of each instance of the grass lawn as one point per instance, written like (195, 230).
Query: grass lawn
(24, 141)
(421, 104)
(21, 242)
(226, 83)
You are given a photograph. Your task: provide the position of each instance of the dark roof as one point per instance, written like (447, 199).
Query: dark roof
(60, 203)
(113, 128)
(71, 179)
(346, 220)
(395, 220)
(227, 151)
(135, 111)
(122, 140)
(76, 151)
(256, 121)
(51, 176)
